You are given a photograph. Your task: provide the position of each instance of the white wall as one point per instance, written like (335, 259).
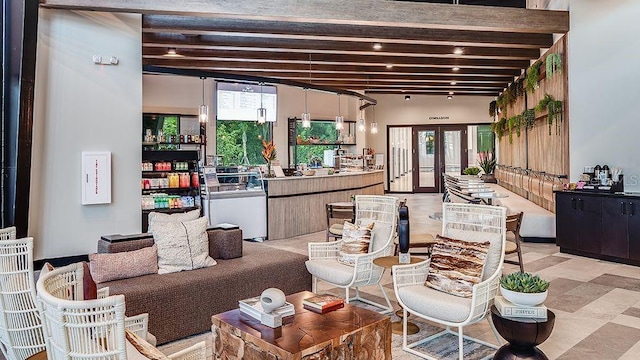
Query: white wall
(604, 50)
(80, 106)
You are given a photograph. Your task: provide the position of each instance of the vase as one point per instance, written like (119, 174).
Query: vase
(489, 178)
(272, 299)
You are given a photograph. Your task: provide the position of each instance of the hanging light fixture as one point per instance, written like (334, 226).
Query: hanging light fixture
(306, 116)
(262, 112)
(339, 118)
(374, 124)
(362, 127)
(203, 112)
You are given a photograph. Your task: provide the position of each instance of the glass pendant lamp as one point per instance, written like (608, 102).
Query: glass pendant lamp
(262, 111)
(339, 118)
(203, 111)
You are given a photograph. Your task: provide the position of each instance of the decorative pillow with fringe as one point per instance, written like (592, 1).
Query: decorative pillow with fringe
(356, 240)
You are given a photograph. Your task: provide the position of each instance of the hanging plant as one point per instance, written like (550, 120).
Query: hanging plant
(511, 93)
(498, 127)
(501, 103)
(520, 91)
(554, 64)
(513, 124)
(493, 108)
(533, 73)
(554, 111)
(529, 118)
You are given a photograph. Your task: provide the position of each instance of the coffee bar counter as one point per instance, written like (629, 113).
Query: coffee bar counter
(296, 204)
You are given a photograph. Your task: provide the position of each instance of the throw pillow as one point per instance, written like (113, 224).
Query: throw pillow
(142, 347)
(123, 265)
(89, 288)
(456, 265)
(355, 240)
(157, 217)
(182, 246)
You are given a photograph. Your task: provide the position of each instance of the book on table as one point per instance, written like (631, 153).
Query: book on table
(325, 310)
(253, 308)
(511, 310)
(322, 302)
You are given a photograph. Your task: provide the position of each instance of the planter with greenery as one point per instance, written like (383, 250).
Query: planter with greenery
(529, 118)
(487, 163)
(493, 108)
(269, 154)
(553, 64)
(472, 170)
(554, 111)
(498, 127)
(533, 73)
(514, 123)
(524, 289)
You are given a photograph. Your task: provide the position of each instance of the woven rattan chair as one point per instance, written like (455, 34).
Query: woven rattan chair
(8, 233)
(511, 247)
(337, 214)
(468, 222)
(323, 257)
(20, 326)
(87, 329)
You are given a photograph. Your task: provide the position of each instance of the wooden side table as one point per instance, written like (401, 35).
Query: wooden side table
(523, 335)
(396, 326)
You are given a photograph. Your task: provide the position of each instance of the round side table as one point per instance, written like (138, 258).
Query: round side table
(387, 262)
(523, 336)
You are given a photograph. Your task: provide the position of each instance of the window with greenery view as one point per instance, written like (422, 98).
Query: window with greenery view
(321, 136)
(229, 141)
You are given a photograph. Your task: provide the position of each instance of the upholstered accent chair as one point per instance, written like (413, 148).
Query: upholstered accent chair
(90, 329)
(467, 222)
(323, 261)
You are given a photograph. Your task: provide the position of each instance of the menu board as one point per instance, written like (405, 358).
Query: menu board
(237, 101)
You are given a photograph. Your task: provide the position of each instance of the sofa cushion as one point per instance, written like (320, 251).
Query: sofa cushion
(122, 265)
(440, 305)
(456, 265)
(157, 217)
(182, 245)
(331, 271)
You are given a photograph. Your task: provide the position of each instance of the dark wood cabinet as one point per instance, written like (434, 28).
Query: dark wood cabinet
(605, 226)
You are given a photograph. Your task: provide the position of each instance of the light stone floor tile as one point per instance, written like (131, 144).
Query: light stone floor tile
(569, 330)
(632, 354)
(630, 321)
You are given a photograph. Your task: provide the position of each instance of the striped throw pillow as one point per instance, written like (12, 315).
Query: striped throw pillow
(355, 240)
(456, 265)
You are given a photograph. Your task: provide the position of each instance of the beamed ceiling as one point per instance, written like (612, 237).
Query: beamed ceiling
(331, 43)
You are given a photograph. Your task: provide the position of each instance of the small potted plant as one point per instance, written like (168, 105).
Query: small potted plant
(524, 289)
(487, 162)
(473, 170)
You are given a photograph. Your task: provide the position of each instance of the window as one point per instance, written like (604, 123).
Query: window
(231, 137)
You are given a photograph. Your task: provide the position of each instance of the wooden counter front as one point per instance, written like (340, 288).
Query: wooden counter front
(296, 204)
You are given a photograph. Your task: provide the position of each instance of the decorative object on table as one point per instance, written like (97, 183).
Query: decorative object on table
(322, 302)
(272, 299)
(524, 289)
(472, 170)
(487, 163)
(523, 336)
(253, 307)
(403, 233)
(509, 309)
(269, 154)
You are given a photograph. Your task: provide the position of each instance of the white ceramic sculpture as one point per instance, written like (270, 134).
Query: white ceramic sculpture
(272, 299)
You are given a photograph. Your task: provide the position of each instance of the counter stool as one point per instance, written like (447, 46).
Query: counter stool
(513, 246)
(342, 212)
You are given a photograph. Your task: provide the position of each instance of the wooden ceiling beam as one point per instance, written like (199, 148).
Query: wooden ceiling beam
(431, 92)
(154, 43)
(317, 59)
(343, 32)
(409, 88)
(437, 73)
(304, 77)
(358, 12)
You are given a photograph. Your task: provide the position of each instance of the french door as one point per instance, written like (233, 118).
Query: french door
(437, 150)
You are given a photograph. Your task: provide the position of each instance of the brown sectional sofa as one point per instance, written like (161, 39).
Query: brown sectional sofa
(181, 304)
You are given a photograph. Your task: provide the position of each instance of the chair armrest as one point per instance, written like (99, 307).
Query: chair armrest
(483, 294)
(324, 250)
(138, 324)
(410, 274)
(194, 352)
(103, 293)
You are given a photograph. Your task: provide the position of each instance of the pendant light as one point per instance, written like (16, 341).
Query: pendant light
(203, 112)
(262, 112)
(339, 118)
(306, 116)
(362, 126)
(374, 124)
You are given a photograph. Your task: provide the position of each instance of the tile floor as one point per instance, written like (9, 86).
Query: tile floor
(597, 303)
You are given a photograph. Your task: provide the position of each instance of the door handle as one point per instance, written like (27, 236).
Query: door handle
(623, 208)
(632, 208)
(573, 203)
(581, 204)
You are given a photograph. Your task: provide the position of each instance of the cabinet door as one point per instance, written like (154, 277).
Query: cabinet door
(633, 227)
(589, 224)
(566, 208)
(615, 212)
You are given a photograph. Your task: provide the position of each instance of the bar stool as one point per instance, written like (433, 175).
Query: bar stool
(513, 226)
(343, 211)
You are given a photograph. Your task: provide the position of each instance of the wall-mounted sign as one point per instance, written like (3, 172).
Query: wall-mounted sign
(438, 118)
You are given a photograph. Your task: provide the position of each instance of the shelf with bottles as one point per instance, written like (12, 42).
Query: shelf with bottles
(164, 201)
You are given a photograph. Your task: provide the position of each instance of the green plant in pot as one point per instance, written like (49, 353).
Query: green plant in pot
(471, 171)
(524, 289)
(487, 163)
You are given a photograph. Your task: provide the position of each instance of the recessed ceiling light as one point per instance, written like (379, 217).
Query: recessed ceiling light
(457, 51)
(172, 53)
(377, 46)
(453, 83)
(449, 97)
(456, 69)
(407, 97)
(389, 66)
(450, 92)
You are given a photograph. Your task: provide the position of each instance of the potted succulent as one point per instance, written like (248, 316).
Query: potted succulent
(487, 162)
(473, 170)
(524, 289)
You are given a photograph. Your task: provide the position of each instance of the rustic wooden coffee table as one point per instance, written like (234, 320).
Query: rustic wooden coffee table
(347, 333)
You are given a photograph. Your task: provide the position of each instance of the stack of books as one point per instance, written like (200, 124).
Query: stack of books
(511, 310)
(323, 303)
(253, 308)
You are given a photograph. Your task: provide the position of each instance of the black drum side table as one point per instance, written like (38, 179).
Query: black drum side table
(523, 336)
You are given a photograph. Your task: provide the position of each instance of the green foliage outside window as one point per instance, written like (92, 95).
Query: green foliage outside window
(229, 141)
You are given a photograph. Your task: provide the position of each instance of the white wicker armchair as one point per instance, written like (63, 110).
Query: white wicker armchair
(323, 257)
(8, 233)
(20, 326)
(87, 329)
(465, 222)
